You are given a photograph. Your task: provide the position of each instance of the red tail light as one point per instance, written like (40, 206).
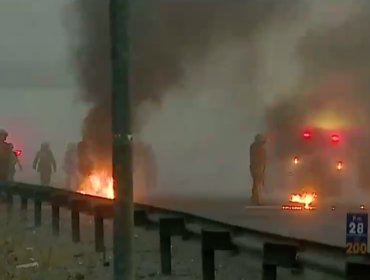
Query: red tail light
(306, 135)
(18, 153)
(335, 138)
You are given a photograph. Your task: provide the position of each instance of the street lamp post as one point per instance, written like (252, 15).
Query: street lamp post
(122, 141)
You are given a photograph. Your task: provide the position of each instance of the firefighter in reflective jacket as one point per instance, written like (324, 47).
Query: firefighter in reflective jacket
(5, 156)
(257, 167)
(45, 164)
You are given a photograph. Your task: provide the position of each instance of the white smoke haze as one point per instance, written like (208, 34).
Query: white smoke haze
(202, 130)
(37, 87)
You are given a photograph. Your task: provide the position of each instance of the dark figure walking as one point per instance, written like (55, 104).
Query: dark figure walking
(85, 164)
(257, 167)
(45, 164)
(14, 161)
(70, 167)
(5, 156)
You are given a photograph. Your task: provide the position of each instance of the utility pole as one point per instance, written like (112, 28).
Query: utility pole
(122, 141)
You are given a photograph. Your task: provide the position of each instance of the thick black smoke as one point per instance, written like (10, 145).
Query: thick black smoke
(164, 35)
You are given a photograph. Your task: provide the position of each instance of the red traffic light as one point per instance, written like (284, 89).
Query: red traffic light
(18, 152)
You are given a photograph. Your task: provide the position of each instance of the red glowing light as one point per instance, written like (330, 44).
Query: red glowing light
(335, 138)
(18, 152)
(306, 135)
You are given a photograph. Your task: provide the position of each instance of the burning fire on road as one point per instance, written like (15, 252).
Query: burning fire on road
(99, 183)
(301, 202)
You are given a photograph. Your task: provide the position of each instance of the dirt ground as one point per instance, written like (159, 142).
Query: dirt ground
(58, 258)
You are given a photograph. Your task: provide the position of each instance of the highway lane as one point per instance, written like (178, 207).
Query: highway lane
(322, 225)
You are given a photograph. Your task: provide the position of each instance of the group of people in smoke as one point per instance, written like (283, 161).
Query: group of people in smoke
(8, 158)
(75, 161)
(44, 162)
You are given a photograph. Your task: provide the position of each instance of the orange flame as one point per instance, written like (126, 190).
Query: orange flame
(98, 184)
(306, 198)
(339, 165)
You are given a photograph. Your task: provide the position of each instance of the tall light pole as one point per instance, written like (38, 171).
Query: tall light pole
(122, 145)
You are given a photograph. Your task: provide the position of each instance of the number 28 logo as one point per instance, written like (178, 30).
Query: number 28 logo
(356, 228)
(356, 248)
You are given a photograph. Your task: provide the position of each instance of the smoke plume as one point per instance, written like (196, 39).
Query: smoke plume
(164, 36)
(208, 75)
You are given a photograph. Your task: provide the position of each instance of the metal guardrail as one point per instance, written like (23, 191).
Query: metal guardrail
(274, 250)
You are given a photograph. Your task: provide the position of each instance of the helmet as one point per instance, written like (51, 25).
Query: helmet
(3, 132)
(45, 145)
(259, 138)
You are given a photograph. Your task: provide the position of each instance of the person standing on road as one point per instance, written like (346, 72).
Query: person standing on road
(257, 167)
(70, 167)
(45, 164)
(14, 161)
(5, 156)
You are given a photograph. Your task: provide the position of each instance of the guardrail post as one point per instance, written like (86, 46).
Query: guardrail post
(99, 234)
(101, 212)
(213, 240)
(9, 202)
(38, 206)
(57, 201)
(55, 219)
(169, 227)
(278, 255)
(24, 205)
(140, 218)
(75, 222)
(357, 271)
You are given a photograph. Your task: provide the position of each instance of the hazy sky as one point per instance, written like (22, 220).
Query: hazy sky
(38, 94)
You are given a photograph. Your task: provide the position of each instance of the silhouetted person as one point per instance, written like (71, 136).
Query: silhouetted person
(257, 167)
(70, 167)
(14, 161)
(5, 156)
(45, 164)
(85, 164)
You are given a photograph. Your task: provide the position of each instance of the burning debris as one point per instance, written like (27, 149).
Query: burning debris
(304, 201)
(98, 184)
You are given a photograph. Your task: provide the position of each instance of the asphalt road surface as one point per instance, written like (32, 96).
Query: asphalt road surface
(322, 225)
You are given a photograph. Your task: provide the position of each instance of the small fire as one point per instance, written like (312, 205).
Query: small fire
(98, 184)
(306, 198)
